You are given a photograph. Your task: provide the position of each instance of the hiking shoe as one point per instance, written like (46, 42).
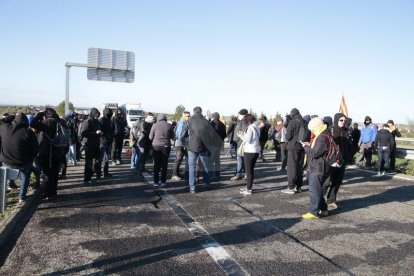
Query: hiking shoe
(175, 178)
(236, 177)
(163, 184)
(323, 213)
(246, 192)
(332, 206)
(156, 185)
(288, 191)
(309, 216)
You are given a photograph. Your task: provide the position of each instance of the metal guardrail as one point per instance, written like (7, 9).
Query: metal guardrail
(6, 173)
(405, 153)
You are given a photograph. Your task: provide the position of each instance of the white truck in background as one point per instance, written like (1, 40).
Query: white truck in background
(132, 112)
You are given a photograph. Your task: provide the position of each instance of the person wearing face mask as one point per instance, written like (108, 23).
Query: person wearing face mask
(107, 139)
(366, 141)
(241, 128)
(91, 134)
(341, 137)
(120, 124)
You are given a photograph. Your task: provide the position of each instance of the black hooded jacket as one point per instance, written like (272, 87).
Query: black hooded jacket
(384, 138)
(120, 123)
(46, 123)
(219, 127)
(201, 135)
(107, 127)
(88, 130)
(19, 144)
(342, 138)
(292, 132)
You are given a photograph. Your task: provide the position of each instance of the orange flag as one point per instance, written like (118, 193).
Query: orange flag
(343, 108)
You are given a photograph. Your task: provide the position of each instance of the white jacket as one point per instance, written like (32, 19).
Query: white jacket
(251, 137)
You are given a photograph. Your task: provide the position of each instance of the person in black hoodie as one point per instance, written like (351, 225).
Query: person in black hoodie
(19, 147)
(385, 142)
(107, 139)
(395, 133)
(46, 122)
(120, 124)
(90, 134)
(294, 129)
(341, 137)
(214, 159)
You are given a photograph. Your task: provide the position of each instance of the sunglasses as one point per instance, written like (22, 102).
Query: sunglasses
(342, 120)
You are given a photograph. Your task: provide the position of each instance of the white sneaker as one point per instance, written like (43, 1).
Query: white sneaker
(156, 185)
(383, 173)
(246, 192)
(163, 184)
(243, 189)
(378, 174)
(175, 178)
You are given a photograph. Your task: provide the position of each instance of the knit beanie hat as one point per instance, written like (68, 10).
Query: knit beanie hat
(243, 111)
(315, 123)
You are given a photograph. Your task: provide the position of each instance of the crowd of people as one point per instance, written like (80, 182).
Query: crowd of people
(322, 147)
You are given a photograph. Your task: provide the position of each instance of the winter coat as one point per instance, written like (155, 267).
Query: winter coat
(119, 123)
(342, 138)
(88, 130)
(384, 138)
(107, 127)
(161, 132)
(292, 132)
(219, 127)
(317, 155)
(201, 135)
(19, 144)
(252, 138)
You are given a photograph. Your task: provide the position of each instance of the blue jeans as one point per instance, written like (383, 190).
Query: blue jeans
(24, 174)
(71, 155)
(317, 201)
(192, 162)
(240, 166)
(135, 155)
(105, 156)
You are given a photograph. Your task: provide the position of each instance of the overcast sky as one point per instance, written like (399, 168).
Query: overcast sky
(221, 55)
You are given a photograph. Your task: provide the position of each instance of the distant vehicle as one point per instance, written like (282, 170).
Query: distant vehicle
(113, 106)
(132, 112)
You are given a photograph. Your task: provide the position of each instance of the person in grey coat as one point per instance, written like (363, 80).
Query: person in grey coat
(161, 134)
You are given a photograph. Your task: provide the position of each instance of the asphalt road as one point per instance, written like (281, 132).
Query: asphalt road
(123, 227)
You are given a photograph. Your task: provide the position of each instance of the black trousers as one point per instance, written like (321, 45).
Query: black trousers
(333, 182)
(392, 159)
(295, 168)
(249, 163)
(284, 154)
(383, 158)
(92, 162)
(117, 148)
(51, 170)
(180, 153)
(161, 155)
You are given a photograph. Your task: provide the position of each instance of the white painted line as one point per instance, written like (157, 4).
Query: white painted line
(389, 175)
(213, 248)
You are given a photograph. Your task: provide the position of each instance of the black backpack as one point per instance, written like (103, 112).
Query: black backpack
(333, 156)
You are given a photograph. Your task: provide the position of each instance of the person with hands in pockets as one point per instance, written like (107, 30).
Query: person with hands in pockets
(251, 142)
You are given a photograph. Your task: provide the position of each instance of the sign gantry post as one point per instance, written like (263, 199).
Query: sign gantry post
(104, 65)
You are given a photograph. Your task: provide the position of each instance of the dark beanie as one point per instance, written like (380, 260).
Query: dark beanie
(294, 112)
(307, 118)
(367, 118)
(215, 115)
(243, 111)
(390, 122)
